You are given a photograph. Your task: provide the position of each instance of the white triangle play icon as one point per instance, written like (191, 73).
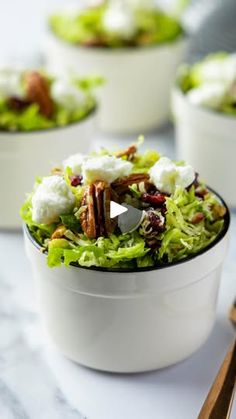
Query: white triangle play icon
(116, 209)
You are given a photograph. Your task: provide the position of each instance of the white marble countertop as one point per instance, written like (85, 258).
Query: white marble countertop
(36, 382)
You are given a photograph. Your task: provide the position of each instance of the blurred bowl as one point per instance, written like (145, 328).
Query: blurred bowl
(136, 95)
(130, 321)
(207, 140)
(25, 155)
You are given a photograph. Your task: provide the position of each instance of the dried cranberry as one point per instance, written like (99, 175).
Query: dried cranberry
(158, 199)
(17, 104)
(76, 180)
(156, 222)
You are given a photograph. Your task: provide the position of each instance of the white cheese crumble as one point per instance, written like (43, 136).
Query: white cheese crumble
(118, 20)
(75, 163)
(51, 199)
(11, 83)
(208, 94)
(218, 70)
(167, 176)
(106, 168)
(64, 93)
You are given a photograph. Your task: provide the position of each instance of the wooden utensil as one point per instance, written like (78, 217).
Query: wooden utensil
(219, 400)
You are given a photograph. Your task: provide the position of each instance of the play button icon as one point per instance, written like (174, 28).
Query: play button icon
(129, 218)
(116, 209)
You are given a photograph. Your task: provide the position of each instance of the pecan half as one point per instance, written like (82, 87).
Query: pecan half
(128, 152)
(95, 217)
(37, 91)
(87, 218)
(121, 186)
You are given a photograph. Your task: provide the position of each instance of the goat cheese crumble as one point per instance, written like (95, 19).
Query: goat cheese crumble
(167, 176)
(52, 198)
(106, 168)
(118, 20)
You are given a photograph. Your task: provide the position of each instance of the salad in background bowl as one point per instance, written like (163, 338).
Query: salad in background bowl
(100, 283)
(133, 44)
(204, 107)
(42, 117)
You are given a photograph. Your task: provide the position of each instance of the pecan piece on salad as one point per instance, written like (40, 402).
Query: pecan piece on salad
(37, 91)
(87, 218)
(59, 232)
(121, 185)
(95, 217)
(197, 218)
(128, 152)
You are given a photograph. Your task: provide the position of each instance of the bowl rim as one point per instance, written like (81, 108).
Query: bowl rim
(220, 237)
(201, 109)
(89, 115)
(184, 36)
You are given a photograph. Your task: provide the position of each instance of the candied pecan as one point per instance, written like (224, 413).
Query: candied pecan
(157, 199)
(17, 104)
(95, 217)
(197, 218)
(37, 91)
(219, 211)
(129, 152)
(121, 186)
(76, 180)
(59, 232)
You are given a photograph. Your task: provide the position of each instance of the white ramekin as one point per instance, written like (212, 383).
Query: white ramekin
(136, 95)
(207, 140)
(129, 321)
(23, 156)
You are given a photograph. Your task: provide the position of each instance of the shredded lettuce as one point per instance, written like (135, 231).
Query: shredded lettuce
(112, 252)
(181, 237)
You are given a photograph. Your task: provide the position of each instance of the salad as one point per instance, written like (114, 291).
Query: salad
(68, 212)
(33, 100)
(115, 23)
(211, 82)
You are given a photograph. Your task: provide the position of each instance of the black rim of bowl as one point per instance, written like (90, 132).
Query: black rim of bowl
(151, 268)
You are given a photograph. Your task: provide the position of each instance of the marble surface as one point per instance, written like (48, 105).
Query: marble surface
(36, 382)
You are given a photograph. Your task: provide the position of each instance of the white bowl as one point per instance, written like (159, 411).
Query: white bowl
(25, 155)
(207, 140)
(136, 95)
(129, 321)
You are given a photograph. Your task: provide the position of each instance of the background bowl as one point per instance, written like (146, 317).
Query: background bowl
(136, 95)
(207, 140)
(130, 321)
(25, 155)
